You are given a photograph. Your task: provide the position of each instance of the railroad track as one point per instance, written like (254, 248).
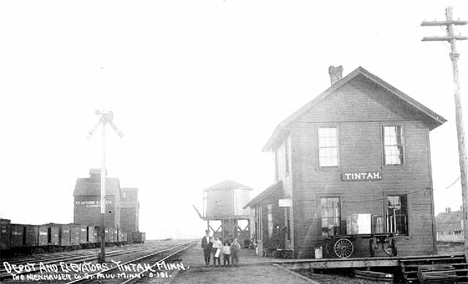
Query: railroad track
(153, 265)
(46, 257)
(19, 269)
(55, 255)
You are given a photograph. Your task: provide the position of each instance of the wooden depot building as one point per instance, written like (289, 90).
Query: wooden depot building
(359, 149)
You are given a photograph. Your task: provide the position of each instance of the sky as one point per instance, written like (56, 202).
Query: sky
(197, 88)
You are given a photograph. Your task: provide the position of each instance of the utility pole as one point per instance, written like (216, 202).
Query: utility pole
(449, 23)
(106, 118)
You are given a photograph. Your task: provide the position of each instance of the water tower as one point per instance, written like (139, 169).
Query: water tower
(223, 210)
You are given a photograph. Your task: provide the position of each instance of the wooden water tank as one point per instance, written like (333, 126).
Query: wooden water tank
(226, 200)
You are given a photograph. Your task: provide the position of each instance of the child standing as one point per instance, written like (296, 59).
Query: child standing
(235, 248)
(217, 247)
(226, 253)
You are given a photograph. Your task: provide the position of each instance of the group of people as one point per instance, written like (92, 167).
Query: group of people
(229, 251)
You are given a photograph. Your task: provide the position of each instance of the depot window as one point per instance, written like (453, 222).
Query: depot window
(330, 215)
(259, 222)
(270, 220)
(287, 153)
(328, 146)
(276, 166)
(393, 145)
(397, 214)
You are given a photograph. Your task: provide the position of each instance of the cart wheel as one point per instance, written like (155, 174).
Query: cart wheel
(371, 247)
(343, 248)
(391, 249)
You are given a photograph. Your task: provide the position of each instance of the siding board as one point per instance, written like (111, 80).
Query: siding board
(359, 109)
(360, 117)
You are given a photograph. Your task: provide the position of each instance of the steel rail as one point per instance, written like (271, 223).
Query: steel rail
(92, 277)
(136, 279)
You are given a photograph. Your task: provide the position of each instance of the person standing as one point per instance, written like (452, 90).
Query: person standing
(217, 248)
(235, 248)
(206, 245)
(226, 254)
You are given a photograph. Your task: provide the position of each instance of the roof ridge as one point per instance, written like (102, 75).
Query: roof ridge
(281, 127)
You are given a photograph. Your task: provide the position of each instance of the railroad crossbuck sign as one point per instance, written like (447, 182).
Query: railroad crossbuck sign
(361, 176)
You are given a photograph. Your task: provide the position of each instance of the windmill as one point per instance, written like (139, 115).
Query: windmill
(105, 118)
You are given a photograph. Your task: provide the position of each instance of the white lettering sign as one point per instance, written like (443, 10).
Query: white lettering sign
(284, 202)
(361, 176)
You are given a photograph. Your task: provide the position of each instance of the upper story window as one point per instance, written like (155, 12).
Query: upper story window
(328, 146)
(282, 157)
(393, 145)
(287, 155)
(276, 166)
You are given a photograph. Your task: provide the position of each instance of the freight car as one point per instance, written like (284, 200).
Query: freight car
(18, 239)
(23, 238)
(136, 237)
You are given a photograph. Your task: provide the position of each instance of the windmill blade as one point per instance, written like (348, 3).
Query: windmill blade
(116, 129)
(90, 133)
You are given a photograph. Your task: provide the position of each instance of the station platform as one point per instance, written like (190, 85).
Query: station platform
(251, 269)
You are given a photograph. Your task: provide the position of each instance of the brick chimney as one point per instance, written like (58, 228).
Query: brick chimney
(336, 73)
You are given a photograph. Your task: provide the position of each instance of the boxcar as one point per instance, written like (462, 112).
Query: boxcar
(93, 234)
(84, 239)
(98, 235)
(23, 238)
(32, 235)
(106, 235)
(5, 233)
(64, 236)
(136, 237)
(49, 235)
(115, 235)
(131, 237)
(122, 236)
(75, 234)
(110, 235)
(18, 236)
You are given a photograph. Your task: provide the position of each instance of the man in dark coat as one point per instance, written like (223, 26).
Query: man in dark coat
(206, 245)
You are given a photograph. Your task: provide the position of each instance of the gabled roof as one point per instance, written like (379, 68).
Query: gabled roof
(281, 129)
(449, 221)
(227, 185)
(264, 194)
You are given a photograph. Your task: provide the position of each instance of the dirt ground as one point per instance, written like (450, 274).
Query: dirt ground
(252, 269)
(255, 270)
(243, 274)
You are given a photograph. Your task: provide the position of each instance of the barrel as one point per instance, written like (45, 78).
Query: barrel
(318, 252)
